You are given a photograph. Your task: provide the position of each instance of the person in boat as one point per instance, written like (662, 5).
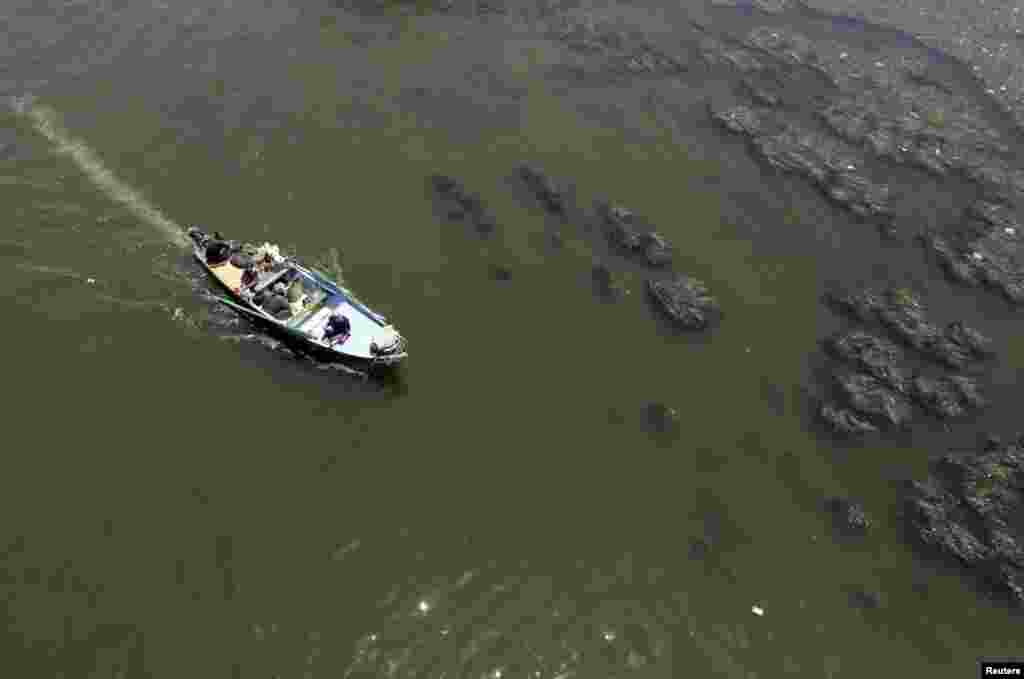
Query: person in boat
(338, 326)
(295, 294)
(273, 302)
(217, 252)
(249, 276)
(266, 263)
(241, 260)
(277, 306)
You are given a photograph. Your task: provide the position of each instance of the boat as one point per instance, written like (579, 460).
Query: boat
(302, 316)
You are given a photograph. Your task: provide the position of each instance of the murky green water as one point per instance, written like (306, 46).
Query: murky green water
(178, 504)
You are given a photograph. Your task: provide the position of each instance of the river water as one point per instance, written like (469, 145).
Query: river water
(180, 499)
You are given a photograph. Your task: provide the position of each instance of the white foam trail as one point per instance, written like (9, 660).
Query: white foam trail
(45, 121)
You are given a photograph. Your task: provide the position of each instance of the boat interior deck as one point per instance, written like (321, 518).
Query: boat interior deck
(313, 305)
(313, 322)
(228, 274)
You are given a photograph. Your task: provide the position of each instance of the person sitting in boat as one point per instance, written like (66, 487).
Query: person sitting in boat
(241, 260)
(273, 303)
(277, 306)
(338, 326)
(249, 276)
(295, 295)
(266, 263)
(217, 252)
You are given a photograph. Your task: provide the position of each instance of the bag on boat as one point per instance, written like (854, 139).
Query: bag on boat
(241, 260)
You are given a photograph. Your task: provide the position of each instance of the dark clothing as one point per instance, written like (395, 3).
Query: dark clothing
(217, 252)
(276, 305)
(337, 325)
(242, 261)
(248, 277)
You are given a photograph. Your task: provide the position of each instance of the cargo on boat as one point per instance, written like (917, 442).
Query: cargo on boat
(320, 315)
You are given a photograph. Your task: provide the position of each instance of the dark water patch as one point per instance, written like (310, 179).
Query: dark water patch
(224, 558)
(454, 202)
(615, 416)
(715, 528)
(793, 475)
(551, 195)
(17, 545)
(710, 460)
(200, 496)
(13, 249)
(486, 100)
(699, 548)
(662, 421)
(329, 463)
(555, 201)
(863, 599)
(774, 396)
(501, 273)
(555, 241)
(849, 519)
(223, 550)
(112, 647)
(606, 283)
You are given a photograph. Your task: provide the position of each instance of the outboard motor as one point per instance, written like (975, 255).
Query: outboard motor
(197, 236)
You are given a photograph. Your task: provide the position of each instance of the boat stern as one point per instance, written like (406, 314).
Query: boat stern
(388, 347)
(199, 237)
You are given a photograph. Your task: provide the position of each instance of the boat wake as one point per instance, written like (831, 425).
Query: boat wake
(45, 121)
(280, 349)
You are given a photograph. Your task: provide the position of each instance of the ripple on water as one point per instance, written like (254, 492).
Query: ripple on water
(513, 627)
(45, 122)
